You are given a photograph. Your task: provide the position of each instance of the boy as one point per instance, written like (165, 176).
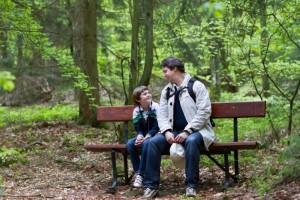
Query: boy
(146, 126)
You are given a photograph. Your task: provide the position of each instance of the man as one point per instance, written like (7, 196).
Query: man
(181, 120)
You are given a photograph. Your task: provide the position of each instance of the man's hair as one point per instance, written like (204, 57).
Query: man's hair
(172, 62)
(136, 96)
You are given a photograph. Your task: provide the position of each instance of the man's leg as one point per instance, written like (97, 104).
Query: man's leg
(144, 151)
(193, 144)
(156, 146)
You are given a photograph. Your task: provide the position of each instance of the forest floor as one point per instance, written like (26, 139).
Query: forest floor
(57, 167)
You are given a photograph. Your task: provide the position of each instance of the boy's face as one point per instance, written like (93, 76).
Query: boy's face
(146, 97)
(169, 74)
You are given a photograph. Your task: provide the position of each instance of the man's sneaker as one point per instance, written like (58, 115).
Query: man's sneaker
(138, 182)
(190, 192)
(150, 193)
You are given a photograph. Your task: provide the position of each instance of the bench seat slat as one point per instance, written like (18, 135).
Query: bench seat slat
(105, 147)
(216, 146)
(234, 145)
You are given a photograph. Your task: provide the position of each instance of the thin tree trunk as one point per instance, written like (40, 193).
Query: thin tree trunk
(264, 40)
(145, 79)
(133, 74)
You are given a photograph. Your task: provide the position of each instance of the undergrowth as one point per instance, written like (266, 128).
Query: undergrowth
(37, 113)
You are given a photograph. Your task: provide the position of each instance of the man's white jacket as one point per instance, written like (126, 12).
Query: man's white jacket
(197, 114)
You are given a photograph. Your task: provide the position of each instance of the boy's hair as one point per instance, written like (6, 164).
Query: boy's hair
(172, 62)
(136, 96)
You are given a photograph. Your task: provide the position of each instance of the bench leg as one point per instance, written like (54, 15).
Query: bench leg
(112, 189)
(225, 168)
(126, 168)
(236, 163)
(227, 173)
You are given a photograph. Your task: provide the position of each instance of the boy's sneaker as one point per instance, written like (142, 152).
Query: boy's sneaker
(150, 193)
(138, 182)
(190, 192)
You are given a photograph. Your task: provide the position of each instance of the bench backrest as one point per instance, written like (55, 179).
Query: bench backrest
(219, 110)
(233, 110)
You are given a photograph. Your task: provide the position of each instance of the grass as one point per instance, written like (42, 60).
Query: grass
(37, 113)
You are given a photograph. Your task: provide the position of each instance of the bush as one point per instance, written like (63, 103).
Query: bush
(9, 156)
(290, 157)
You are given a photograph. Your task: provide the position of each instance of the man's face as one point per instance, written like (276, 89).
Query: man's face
(168, 74)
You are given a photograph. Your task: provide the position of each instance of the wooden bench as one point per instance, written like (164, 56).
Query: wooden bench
(232, 110)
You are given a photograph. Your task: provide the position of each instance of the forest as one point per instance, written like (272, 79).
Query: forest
(60, 60)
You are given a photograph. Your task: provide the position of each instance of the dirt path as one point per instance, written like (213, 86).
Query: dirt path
(57, 167)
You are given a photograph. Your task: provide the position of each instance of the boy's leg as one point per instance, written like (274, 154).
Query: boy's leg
(133, 153)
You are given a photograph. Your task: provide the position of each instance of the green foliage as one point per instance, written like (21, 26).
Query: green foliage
(37, 113)
(166, 162)
(269, 178)
(72, 139)
(9, 156)
(290, 157)
(215, 9)
(6, 80)
(20, 19)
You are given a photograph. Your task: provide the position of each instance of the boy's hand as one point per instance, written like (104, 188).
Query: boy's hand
(139, 140)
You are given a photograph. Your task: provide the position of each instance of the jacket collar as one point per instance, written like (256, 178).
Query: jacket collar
(186, 79)
(150, 107)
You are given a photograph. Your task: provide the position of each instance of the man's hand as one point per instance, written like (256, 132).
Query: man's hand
(170, 137)
(181, 137)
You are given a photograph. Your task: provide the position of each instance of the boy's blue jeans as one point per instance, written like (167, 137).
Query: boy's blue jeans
(138, 163)
(158, 145)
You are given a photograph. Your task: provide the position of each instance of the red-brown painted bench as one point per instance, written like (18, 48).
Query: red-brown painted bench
(232, 110)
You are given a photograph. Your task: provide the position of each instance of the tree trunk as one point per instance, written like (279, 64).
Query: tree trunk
(145, 79)
(86, 53)
(264, 40)
(133, 74)
(4, 57)
(215, 65)
(70, 27)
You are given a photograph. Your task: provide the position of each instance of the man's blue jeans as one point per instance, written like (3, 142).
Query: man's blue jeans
(138, 163)
(158, 145)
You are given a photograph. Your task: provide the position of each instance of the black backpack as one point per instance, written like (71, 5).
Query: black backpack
(191, 93)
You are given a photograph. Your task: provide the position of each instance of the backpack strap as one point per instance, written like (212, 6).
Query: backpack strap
(168, 94)
(192, 94)
(190, 88)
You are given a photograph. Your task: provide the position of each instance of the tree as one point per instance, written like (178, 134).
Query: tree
(86, 54)
(148, 18)
(136, 45)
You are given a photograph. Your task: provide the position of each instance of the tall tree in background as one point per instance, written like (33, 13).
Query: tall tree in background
(136, 44)
(86, 54)
(134, 61)
(264, 40)
(148, 18)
